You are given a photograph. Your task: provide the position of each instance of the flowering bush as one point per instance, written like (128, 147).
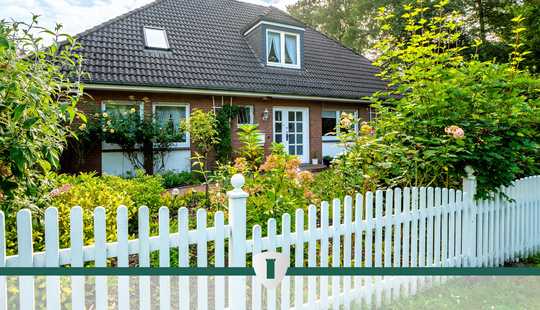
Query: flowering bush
(443, 112)
(132, 134)
(275, 185)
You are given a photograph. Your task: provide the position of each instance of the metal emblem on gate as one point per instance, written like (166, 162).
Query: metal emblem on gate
(270, 268)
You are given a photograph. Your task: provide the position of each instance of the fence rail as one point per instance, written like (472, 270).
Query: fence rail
(409, 227)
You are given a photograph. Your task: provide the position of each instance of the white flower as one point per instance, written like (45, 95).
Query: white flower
(175, 192)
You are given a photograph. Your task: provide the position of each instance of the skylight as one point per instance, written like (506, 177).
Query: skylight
(155, 38)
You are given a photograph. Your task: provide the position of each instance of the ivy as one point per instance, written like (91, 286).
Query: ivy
(224, 147)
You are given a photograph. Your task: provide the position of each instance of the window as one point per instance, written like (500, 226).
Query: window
(330, 122)
(170, 116)
(245, 115)
(119, 108)
(155, 38)
(283, 49)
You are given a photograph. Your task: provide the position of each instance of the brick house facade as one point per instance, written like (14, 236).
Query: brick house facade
(182, 55)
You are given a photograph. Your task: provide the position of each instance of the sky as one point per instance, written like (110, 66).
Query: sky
(79, 15)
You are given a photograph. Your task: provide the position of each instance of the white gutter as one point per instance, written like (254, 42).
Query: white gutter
(195, 91)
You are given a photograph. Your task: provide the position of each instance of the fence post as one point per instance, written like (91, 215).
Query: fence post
(469, 187)
(237, 242)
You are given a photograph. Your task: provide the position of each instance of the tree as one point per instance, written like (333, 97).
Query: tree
(354, 23)
(39, 90)
(444, 111)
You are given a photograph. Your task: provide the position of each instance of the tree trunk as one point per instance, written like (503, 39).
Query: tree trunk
(481, 20)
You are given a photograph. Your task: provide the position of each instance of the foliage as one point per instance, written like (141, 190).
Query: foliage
(131, 133)
(251, 148)
(202, 128)
(223, 118)
(355, 24)
(444, 112)
(275, 187)
(176, 179)
(37, 103)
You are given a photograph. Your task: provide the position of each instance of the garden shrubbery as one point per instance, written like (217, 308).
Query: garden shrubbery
(443, 112)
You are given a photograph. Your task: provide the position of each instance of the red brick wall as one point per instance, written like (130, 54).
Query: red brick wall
(206, 102)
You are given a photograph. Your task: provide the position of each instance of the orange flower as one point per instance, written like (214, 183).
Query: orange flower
(240, 164)
(272, 162)
(305, 177)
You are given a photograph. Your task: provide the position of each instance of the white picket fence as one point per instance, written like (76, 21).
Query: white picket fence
(410, 227)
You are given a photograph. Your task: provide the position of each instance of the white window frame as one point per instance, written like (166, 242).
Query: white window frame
(185, 144)
(251, 116)
(109, 146)
(338, 119)
(147, 45)
(282, 63)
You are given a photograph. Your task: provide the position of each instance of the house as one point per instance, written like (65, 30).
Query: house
(181, 55)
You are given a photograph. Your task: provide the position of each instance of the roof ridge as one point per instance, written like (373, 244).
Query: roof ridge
(117, 18)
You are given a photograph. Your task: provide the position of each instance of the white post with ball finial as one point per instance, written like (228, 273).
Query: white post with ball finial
(469, 187)
(237, 242)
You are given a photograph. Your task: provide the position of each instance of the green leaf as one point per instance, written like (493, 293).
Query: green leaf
(4, 43)
(18, 112)
(45, 165)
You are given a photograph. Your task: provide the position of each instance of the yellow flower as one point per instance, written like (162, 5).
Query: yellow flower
(132, 110)
(82, 127)
(366, 129)
(111, 131)
(105, 114)
(305, 176)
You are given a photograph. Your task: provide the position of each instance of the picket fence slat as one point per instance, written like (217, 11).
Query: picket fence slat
(164, 258)
(144, 256)
(336, 250)
(299, 258)
(183, 257)
(25, 259)
(219, 286)
(406, 227)
(256, 288)
(312, 259)
(286, 250)
(271, 297)
(51, 257)
(324, 252)
(202, 260)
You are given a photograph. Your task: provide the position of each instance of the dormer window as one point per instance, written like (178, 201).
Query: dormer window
(155, 38)
(282, 49)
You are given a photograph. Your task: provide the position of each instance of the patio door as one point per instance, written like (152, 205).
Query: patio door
(291, 129)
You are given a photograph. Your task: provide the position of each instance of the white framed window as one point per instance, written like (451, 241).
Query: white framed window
(282, 49)
(120, 108)
(372, 114)
(330, 123)
(169, 114)
(155, 37)
(245, 115)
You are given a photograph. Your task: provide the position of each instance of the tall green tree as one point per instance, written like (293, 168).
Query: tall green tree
(354, 23)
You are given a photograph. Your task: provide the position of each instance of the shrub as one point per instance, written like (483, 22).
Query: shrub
(37, 103)
(176, 179)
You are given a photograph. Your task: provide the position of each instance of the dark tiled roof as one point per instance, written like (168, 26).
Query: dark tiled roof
(208, 51)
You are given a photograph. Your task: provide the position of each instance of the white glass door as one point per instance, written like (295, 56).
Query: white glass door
(291, 129)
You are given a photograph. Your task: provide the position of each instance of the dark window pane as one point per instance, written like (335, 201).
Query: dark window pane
(278, 127)
(277, 115)
(328, 126)
(291, 139)
(299, 116)
(278, 139)
(291, 127)
(299, 138)
(291, 116)
(299, 127)
(299, 150)
(291, 149)
(244, 116)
